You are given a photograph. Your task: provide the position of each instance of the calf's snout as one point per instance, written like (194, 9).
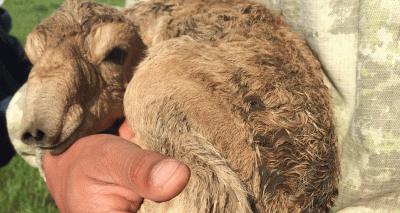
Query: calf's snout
(49, 116)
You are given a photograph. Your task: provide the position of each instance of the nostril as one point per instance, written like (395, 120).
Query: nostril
(26, 136)
(39, 135)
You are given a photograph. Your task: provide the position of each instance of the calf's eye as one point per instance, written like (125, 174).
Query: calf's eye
(116, 55)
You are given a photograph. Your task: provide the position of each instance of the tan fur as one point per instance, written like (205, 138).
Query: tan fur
(225, 87)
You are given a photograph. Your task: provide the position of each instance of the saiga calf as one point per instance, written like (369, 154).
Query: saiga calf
(223, 86)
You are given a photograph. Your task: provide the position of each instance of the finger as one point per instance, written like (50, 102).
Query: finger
(125, 131)
(50, 163)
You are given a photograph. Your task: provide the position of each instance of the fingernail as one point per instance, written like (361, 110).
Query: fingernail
(163, 171)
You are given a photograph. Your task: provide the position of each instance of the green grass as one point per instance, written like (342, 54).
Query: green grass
(22, 190)
(27, 13)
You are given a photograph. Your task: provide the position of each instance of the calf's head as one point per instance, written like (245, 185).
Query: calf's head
(84, 56)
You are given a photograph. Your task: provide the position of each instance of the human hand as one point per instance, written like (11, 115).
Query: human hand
(106, 173)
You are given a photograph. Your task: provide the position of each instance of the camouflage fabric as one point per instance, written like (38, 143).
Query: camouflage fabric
(358, 44)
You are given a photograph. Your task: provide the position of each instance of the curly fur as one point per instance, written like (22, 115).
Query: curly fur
(246, 83)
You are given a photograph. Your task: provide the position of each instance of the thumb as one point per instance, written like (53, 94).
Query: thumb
(149, 174)
(116, 161)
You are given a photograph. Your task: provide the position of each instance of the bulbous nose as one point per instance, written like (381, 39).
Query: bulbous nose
(41, 120)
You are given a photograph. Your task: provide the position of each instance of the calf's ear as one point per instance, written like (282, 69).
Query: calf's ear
(111, 42)
(34, 46)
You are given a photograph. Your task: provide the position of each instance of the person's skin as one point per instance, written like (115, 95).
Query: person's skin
(106, 173)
